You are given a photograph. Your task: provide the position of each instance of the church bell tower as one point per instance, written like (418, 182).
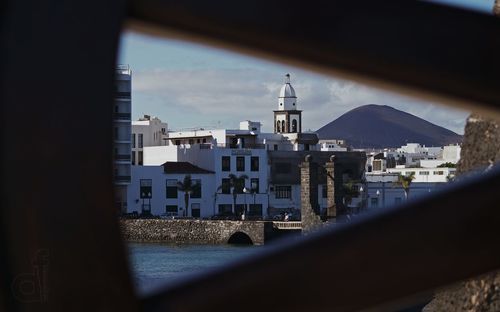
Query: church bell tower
(287, 119)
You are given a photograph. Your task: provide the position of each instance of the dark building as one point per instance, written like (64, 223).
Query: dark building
(285, 176)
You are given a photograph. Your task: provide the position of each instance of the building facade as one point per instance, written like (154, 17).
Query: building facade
(121, 135)
(147, 131)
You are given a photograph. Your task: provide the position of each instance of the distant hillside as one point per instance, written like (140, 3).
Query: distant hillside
(379, 126)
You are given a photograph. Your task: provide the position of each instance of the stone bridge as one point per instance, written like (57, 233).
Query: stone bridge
(194, 231)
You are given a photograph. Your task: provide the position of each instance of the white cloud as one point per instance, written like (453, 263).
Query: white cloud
(223, 97)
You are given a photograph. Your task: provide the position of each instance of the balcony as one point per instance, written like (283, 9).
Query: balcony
(122, 157)
(122, 95)
(122, 116)
(122, 179)
(243, 146)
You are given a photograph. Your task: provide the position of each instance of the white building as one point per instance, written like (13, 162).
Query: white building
(223, 160)
(121, 135)
(240, 152)
(381, 190)
(433, 175)
(147, 131)
(332, 145)
(154, 190)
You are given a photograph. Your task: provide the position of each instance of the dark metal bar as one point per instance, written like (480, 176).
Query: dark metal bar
(60, 243)
(418, 47)
(393, 255)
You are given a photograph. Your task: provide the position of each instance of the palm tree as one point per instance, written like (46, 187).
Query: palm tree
(405, 181)
(237, 183)
(188, 187)
(350, 191)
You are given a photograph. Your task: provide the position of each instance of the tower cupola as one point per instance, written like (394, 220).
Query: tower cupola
(287, 98)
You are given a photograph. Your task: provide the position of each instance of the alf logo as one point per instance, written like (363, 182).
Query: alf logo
(33, 287)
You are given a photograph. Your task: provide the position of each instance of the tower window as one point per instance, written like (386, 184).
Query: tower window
(281, 104)
(294, 125)
(278, 126)
(283, 126)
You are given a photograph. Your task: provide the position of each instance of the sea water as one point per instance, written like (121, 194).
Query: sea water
(154, 265)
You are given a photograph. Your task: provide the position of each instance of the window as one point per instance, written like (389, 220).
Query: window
(294, 125)
(195, 210)
(140, 158)
(133, 140)
(197, 189)
(225, 209)
(226, 163)
(171, 210)
(146, 188)
(171, 188)
(283, 126)
(254, 185)
(283, 168)
(438, 172)
(226, 186)
(140, 140)
(324, 191)
(191, 141)
(239, 208)
(255, 210)
(177, 142)
(374, 202)
(133, 158)
(278, 126)
(254, 163)
(283, 191)
(240, 163)
(423, 173)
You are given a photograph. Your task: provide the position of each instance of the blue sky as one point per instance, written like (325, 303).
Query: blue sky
(191, 85)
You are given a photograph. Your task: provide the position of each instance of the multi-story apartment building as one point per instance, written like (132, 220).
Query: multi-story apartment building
(121, 132)
(147, 131)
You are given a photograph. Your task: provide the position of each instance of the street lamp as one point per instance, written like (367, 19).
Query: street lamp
(245, 192)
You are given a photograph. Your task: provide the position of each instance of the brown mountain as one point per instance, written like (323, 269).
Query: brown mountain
(379, 126)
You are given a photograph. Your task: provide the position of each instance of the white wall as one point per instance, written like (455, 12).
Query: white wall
(390, 194)
(159, 201)
(433, 175)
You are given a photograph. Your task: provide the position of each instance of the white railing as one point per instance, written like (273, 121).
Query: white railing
(287, 225)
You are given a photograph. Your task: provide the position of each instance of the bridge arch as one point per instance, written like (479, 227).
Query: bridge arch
(240, 238)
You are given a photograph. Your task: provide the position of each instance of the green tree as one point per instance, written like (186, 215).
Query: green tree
(447, 165)
(404, 181)
(237, 183)
(188, 187)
